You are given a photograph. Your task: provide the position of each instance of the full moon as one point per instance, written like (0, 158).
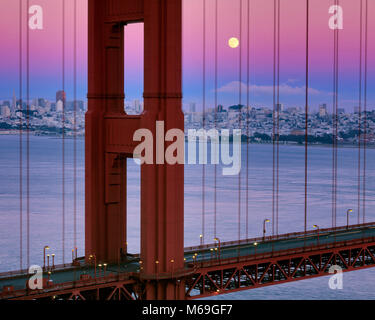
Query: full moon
(233, 42)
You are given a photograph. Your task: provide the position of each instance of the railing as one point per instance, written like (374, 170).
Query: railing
(275, 254)
(194, 267)
(71, 285)
(212, 261)
(285, 236)
(55, 268)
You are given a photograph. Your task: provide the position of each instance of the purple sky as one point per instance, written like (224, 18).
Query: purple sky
(46, 52)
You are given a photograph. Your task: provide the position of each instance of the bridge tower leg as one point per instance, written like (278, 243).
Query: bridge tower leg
(109, 140)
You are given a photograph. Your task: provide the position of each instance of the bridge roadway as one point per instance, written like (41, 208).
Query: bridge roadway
(206, 253)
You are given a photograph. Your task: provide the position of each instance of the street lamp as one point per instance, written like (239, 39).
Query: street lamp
(53, 260)
(172, 261)
(44, 256)
(157, 266)
(201, 238)
(318, 230)
(255, 246)
(93, 257)
(264, 228)
(218, 240)
(347, 217)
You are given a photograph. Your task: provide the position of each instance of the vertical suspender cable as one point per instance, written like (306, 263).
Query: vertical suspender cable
(365, 118)
(278, 117)
(28, 136)
(336, 118)
(247, 118)
(20, 129)
(273, 118)
(359, 114)
(334, 124)
(215, 121)
(240, 115)
(63, 131)
(204, 120)
(75, 126)
(306, 106)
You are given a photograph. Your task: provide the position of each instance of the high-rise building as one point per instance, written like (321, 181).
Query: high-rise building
(61, 95)
(192, 107)
(356, 109)
(5, 111)
(14, 103)
(323, 110)
(48, 106)
(59, 106)
(42, 102)
(35, 102)
(137, 106)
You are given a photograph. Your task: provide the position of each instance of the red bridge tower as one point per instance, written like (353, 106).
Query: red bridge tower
(109, 140)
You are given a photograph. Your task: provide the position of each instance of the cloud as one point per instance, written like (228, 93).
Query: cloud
(284, 88)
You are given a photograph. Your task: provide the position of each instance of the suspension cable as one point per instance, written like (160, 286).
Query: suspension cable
(334, 126)
(306, 107)
(20, 133)
(215, 120)
(204, 120)
(359, 114)
(75, 126)
(247, 118)
(240, 115)
(273, 118)
(365, 117)
(278, 118)
(28, 136)
(63, 131)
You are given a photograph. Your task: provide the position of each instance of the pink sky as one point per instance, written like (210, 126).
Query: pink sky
(46, 47)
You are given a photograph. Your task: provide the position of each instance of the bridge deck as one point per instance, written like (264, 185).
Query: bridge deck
(212, 253)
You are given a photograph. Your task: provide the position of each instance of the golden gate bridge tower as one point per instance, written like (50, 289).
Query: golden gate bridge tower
(109, 140)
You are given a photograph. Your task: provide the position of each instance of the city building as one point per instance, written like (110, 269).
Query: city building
(5, 111)
(14, 103)
(61, 95)
(192, 107)
(323, 110)
(59, 106)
